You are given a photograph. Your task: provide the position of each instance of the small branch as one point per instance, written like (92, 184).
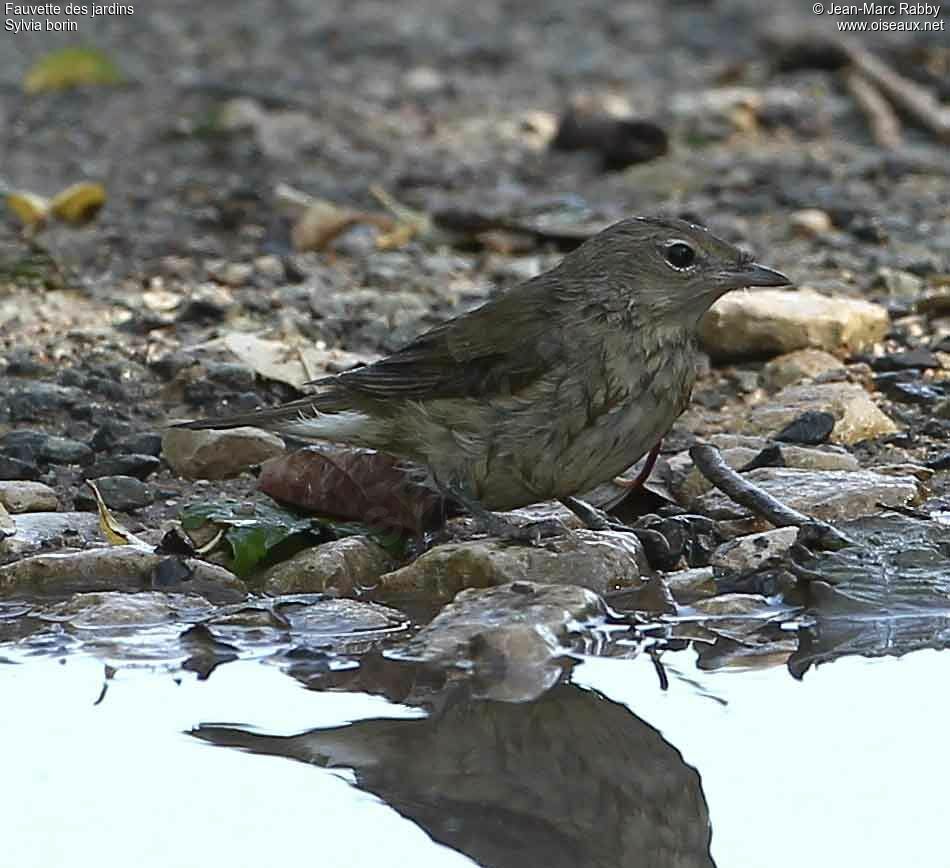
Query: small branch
(882, 119)
(814, 532)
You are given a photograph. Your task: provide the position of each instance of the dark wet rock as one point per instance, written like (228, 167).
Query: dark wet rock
(140, 443)
(941, 462)
(812, 428)
(218, 454)
(887, 595)
(600, 561)
(345, 566)
(22, 362)
(857, 417)
(26, 496)
(829, 495)
(512, 636)
(619, 142)
(139, 466)
(916, 358)
(171, 364)
(124, 493)
(230, 375)
(905, 388)
(36, 531)
(28, 445)
(14, 468)
(107, 435)
(35, 402)
(119, 568)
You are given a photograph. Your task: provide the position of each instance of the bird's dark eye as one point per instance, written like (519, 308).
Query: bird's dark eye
(680, 255)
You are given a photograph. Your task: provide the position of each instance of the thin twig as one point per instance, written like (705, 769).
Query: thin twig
(818, 533)
(882, 119)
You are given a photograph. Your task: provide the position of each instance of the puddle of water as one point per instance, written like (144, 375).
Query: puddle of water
(844, 768)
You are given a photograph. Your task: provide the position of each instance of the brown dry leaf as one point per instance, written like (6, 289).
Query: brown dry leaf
(353, 484)
(79, 203)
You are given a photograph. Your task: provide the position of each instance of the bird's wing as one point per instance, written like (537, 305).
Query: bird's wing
(499, 348)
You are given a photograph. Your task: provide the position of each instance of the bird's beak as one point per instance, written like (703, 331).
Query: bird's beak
(753, 274)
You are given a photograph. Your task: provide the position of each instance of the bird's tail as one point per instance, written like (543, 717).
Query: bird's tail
(302, 418)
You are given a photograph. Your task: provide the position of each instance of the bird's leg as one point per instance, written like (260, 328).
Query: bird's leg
(495, 525)
(654, 543)
(645, 471)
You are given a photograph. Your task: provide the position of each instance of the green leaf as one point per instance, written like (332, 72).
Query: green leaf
(252, 530)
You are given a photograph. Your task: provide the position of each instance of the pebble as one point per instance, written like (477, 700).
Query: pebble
(35, 402)
(29, 445)
(810, 222)
(919, 358)
(109, 433)
(139, 466)
(140, 443)
(113, 568)
(856, 416)
(793, 367)
(773, 321)
(750, 553)
(36, 531)
(812, 428)
(898, 283)
(14, 468)
(218, 454)
(345, 566)
(25, 496)
(123, 493)
(600, 561)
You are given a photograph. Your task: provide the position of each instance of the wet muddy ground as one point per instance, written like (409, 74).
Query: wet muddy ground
(294, 189)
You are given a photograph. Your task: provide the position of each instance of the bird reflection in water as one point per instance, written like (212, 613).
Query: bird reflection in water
(571, 779)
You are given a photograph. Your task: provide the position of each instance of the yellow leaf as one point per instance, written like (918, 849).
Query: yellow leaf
(71, 67)
(31, 210)
(112, 530)
(79, 203)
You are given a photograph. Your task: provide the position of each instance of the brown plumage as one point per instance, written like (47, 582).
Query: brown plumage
(549, 389)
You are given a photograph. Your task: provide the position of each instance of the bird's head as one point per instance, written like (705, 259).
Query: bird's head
(666, 269)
